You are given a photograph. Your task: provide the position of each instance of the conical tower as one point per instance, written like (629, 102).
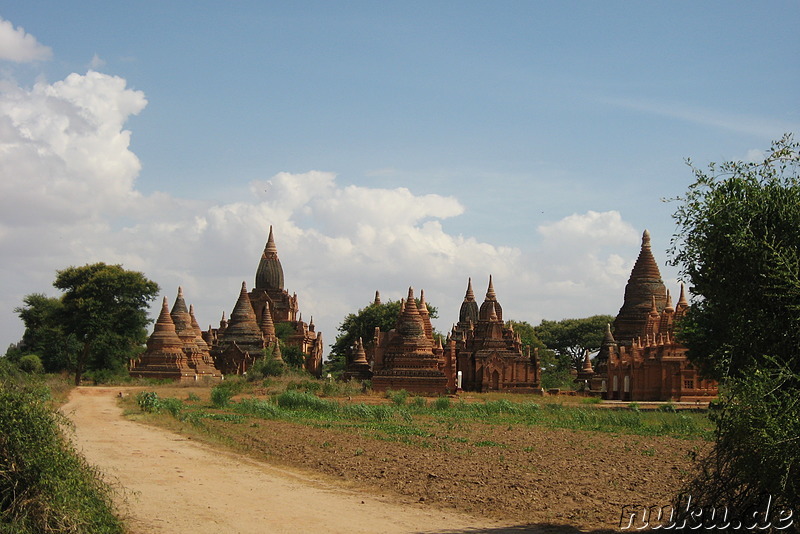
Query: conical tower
(644, 287)
(425, 315)
(204, 365)
(469, 308)
(268, 331)
(242, 327)
(269, 274)
(164, 356)
(408, 359)
(490, 303)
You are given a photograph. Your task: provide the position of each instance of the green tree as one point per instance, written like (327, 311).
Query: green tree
(738, 244)
(44, 333)
(105, 308)
(554, 371)
(362, 325)
(570, 338)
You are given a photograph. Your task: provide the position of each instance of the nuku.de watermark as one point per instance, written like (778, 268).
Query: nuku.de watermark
(684, 514)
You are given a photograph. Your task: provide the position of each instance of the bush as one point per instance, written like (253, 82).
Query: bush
(264, 367)
(221, 395)
(755, 454)
(304, 401)
(31, 363)
(148, 401)
(441, 404)
(46, 486)
(397, 397)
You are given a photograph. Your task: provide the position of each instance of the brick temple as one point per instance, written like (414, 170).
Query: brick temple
(257, 314)
(489, 356)
(176, 349)
(642, 360)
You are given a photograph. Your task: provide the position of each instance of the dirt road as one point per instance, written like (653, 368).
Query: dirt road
(174, 485)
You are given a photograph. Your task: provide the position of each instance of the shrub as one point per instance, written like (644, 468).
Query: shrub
(148, 401)
(46, 486)
(441, 403)
(172, 405)
(397, 397)
(304, 401)
(221, 395)
(418, 402)
(31, 363)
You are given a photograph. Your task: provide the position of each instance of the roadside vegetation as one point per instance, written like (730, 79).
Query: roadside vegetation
(314, 402)
(45, 485)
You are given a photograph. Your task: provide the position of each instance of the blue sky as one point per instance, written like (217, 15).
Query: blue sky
(535, 140)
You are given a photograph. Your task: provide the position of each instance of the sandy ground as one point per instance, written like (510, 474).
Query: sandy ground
(171, 484)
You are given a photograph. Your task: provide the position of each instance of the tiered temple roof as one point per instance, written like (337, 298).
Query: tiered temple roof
(404, 358)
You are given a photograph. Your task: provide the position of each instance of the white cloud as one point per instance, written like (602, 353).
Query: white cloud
(97, 62)
(20, 47)
(69, 177)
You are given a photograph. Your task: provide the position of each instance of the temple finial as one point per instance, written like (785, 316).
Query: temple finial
(470, 296)
(490, 294)
(271, 248)
(682, 300)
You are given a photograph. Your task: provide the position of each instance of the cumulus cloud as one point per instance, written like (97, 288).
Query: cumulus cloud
(20, 47)
(69, 175)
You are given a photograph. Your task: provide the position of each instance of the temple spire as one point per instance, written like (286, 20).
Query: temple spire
(682, 300)
(490, 294)
(269, 274)
(470, 296)
(271, 248)
(377, 300)
(267, 324)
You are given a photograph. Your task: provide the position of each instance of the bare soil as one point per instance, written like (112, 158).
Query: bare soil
(172, 484)
(454, 477)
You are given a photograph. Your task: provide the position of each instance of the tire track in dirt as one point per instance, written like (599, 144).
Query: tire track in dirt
(175, 485)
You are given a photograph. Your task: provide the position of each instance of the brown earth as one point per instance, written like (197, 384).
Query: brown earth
(527, 478)
(172, 484)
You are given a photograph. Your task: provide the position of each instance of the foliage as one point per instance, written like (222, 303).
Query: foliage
(362, 325)
(31, 363)
(570, 338)
(738, 244)
(46, 487)
(222, 393)
(105, 308)
(403, 419)
(148, 401)
(397, 397)
(755, 455)
(527, 333)
(44, 333)
(265, 366)
(293, 356)
(98, 323)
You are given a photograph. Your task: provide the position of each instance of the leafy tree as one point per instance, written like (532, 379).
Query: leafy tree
(554, 370)
(44, 333)
(527, 332)
(570, 338)
(105, 308)
(738, 243)
(362, 324)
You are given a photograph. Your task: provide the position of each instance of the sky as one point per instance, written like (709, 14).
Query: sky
(389, 144)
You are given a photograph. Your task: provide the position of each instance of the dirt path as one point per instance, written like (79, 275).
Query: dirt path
(175, 485)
